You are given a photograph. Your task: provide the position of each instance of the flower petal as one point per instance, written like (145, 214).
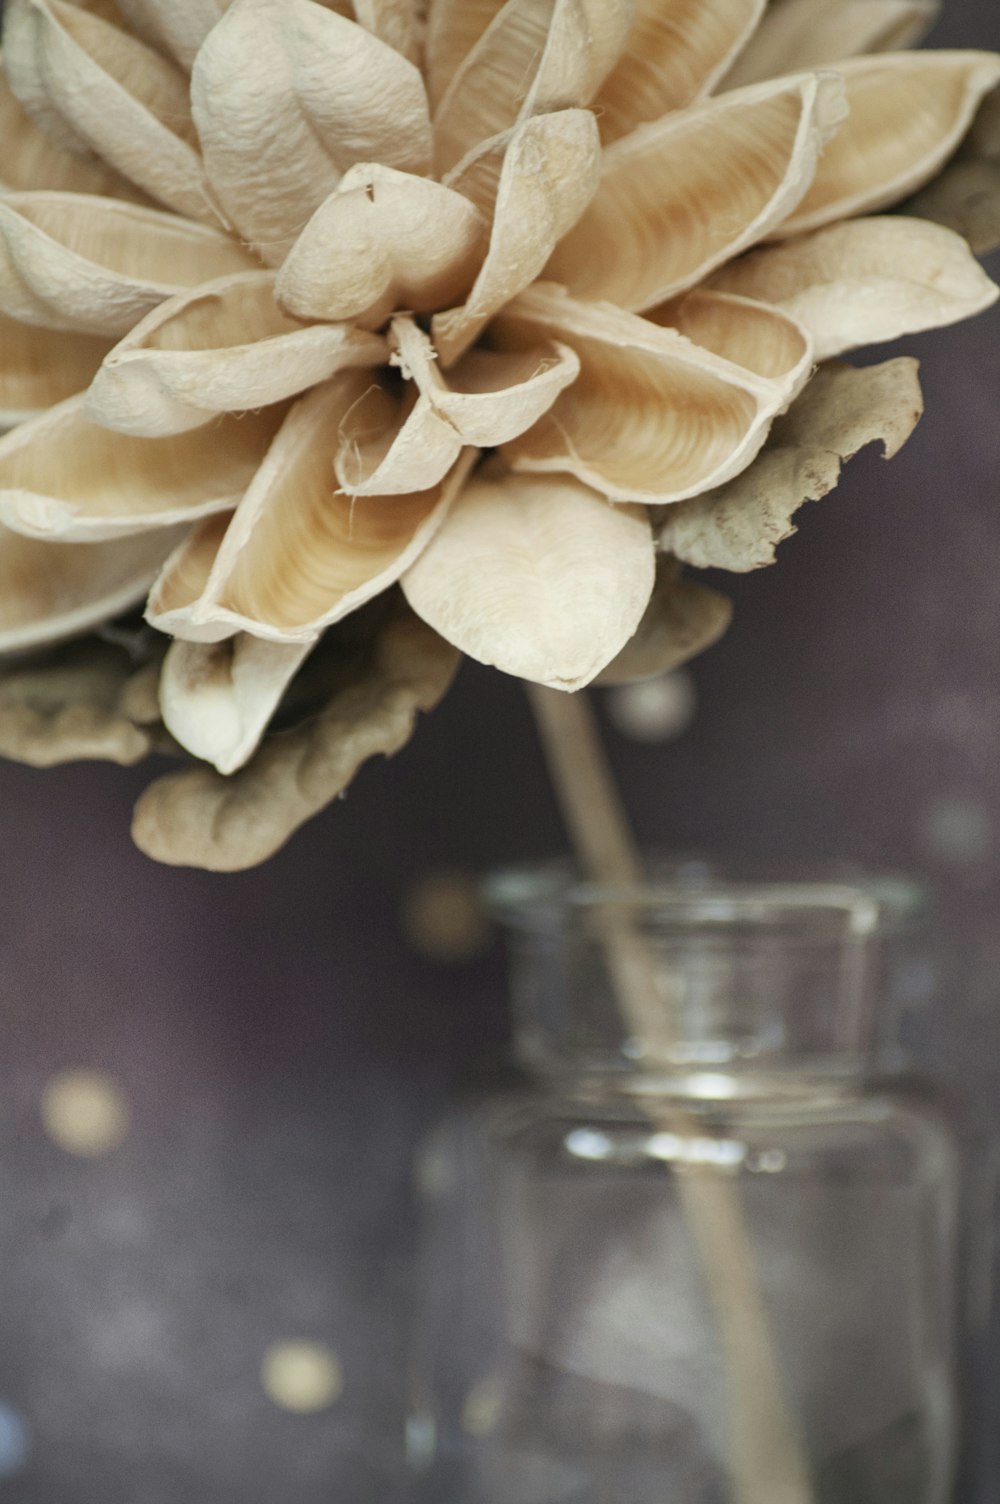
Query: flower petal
(63, 477)
(75, 261)
(676, 53)
(453, 29)
(799, 34)
(287, 95)
(175, 26)
(908, 113)
(31, 159)
(226, 347)
(217, 698)
(39, 367)
(383, 240)
(549, 175)
(490, 396)
(681, 196)
(393, 445)
(683, 619)
(395, 22)
(91, 83)
(536, 575)
(966, 196)
(53, 591)
(767, 341)
(866, 281)
(297, 556)
(651, 417)
(536, 56)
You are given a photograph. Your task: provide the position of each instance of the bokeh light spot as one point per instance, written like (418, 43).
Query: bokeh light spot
(444, 919)
(304, 1377)
(85, 1113)
(654, 710)
(15, 1442)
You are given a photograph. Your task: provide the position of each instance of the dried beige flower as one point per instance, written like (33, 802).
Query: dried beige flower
(301, 300)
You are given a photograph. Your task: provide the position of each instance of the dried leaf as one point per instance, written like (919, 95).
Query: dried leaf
(39, 367)
(681, 196)
(966, 195)
(683, 619)
(866, 281)
(798, 34)
(536, 575)
(842, 409)
(198, 818)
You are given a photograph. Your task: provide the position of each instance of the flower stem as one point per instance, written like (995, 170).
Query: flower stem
(768, 1464)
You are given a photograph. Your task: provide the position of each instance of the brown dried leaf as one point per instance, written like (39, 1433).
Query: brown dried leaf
(737, 526)
(683, 618)
(80, 702)
(966, 196)
(198, 818)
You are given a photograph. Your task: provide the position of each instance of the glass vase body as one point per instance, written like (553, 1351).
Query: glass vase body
(579, 1336)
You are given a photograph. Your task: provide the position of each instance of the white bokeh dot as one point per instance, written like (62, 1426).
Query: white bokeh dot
(85, 1112)
(483, 1407)
(654, 710)
(303, 1377)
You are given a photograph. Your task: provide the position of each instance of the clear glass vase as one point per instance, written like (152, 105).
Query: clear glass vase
(580, 1338)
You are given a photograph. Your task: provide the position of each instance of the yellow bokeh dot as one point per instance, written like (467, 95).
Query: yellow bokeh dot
(85, 1113)
(483, 1408)
(444, 919)
(303, 1377)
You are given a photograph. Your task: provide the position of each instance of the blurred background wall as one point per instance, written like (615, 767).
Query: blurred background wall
(275, 1041)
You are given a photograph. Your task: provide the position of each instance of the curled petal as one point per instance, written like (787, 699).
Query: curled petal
(548, 177)
(40, 367)
(393, 445)
(763, 340)
(652, 417)
(74, 261)
(966, 196)
(536, 575)
(536, 56)
(908, 113)
(383, 240)
(53, 591)
(217, 698)
(677, 52)
(297, 556)
(490, 396)
(287, 96)
(95, 86)
(175, 26)
(681, 196)
(799, 34)
(395, 22)
(31, 159)
(865, 281)
(227, 347)
(683, 619)
(63, 477)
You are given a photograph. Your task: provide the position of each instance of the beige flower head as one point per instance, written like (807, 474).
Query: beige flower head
(304, 300)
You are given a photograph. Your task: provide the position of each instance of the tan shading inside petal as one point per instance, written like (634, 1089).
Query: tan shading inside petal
(226, 347)
(175, 26)
(40, 367)
(93, 264)
(681, 196)
(748, 333)
(677, 51)
(30, 159)
(61, 476)
(537, 576)
(866, 280)
(394, 443)
(186, 572)
(383, 240)
(453, 29)
(799, 34)
(53, 591)
(908, 113)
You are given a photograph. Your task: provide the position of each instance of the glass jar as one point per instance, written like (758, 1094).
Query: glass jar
(701, 1250)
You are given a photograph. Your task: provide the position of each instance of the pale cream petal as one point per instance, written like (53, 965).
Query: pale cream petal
(227, 347)
(536, 56)
(75, 261)
(188, 569)
(217, 698)
(297, 556)
(966, 196)
(536, 575)
(683, 618)
(175, 26)
(549, 175)
(490, 396)
(395, 22)
(866, 281)
(31, 159)
(50, 592)
(383, 240)
(765, 340)
(39, 367)
(63, 477)
(799, 34)
(287, 96)
(677, 52)
(681, 196)
(652, 417)
(113, 94)
(453, 29)
(908, 113)
(393, 445)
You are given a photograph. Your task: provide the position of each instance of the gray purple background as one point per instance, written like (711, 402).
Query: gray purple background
(281, 1041)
